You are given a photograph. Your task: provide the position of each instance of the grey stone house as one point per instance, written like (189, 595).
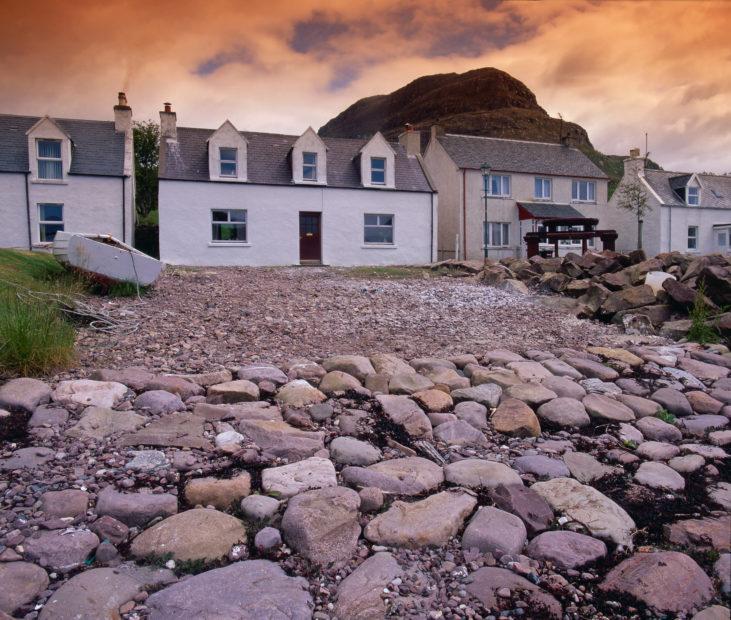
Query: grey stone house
(528, 182)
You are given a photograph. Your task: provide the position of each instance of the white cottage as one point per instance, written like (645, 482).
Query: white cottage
(65, 174)
(230, 197)
(688, 212)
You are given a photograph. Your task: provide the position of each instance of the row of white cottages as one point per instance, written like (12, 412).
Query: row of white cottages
(228, 197)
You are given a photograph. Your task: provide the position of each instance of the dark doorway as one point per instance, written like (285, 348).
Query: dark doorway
(310, 239)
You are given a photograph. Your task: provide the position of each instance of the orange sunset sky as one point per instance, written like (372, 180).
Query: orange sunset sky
(617, 68)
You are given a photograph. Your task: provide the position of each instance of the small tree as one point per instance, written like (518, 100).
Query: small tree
(633, 198)
(146, 146)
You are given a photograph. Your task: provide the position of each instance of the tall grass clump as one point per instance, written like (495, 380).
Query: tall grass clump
(35, 338)
(700, 330)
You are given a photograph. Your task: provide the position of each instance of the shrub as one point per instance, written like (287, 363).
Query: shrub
(666, 416)
(700, 331)
(34, 338)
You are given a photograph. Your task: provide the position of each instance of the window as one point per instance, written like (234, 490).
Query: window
(378, 228)
(309, 166)
(229, 225)
(50, 165)
(497, 233)
(497, 185)
(583, 191)
(542, 188)
(50, 220)
(722, 240)
(692, 237)
(378, 170)
(228, 161)
(694, 196)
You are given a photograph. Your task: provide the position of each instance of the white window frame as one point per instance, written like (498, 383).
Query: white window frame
(374, 169)
(576, 190)
(228, 212)
(726, 232)
(543, 181)
(504, 182)
(234, 161)
(696, 197)
(693, 237)
(488, 234)
(379, 225)
(43, 222)
(312, 167)
(58, 159)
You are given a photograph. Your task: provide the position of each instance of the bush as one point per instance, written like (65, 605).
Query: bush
(700, 331)
(34, 337)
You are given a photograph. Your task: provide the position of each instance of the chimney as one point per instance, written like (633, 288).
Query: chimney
(436, 131)
(410, 140)
(122, 115)
(635, 164)
(168, 123)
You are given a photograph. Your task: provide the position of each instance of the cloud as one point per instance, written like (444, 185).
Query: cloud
(238, 55)
(316, 33)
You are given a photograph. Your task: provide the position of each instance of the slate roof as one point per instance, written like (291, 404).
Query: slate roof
(269, 161)
(715, 189)
(541, 210)
(519, 156)
(97, 149)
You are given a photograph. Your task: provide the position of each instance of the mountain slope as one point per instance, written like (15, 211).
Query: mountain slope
(483, 102)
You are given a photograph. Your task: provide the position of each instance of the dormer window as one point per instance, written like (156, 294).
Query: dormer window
(228, 157)
(50, 165)
(309, 166)
(693, 196)
(378, 170)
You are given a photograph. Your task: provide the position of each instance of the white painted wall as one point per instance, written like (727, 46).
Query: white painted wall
(273, 224)
(227, 136)
(448, 180)
(91, 205)
(676, 220)
(14, 229)
(377, 146)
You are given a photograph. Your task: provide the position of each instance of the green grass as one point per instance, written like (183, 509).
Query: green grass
(35, 337)
(700, 330)
(666, 416)
(386, 273)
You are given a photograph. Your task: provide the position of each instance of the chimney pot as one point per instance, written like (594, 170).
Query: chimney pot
(168, 107)
(121, 98)
(634, 153)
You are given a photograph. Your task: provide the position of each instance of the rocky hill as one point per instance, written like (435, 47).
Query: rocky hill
(484, 102)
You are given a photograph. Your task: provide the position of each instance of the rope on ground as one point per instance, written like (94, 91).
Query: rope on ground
(114, 321)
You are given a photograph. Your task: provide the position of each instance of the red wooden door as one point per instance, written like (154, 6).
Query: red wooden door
(310, 238)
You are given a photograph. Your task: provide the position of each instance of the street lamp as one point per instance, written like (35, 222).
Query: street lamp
(485, 169)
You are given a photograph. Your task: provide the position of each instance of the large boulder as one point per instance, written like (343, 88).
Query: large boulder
(237, 391)
(357, 365)
(243, 590)
(220, 493)
(390, 364)
(487, 585)
(61, 550)
(24, 394)
(97, 593)
(135, 509)
(404, 412)
(96, 423)
(513, 417)
(180, 430)
(289, 480)
(279, 439)
(564, 413)
(337, 381)
(352, 451)
(667, 581)
(411, 475)
(197, 534)
(431, 521)
(89, 393)
(495, 531)
(607, 409)
(20, 584)
(568, 550)
(487, 394)
(322, 525)
(584, 504)
(625, 299)
(526, 504)
(256, 373)
(479, 473)
(159, 402)
(359, 594)
(299, 393)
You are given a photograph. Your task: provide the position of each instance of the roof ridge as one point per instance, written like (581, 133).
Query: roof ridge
(287, 135)
(463, 135)
(55, 118)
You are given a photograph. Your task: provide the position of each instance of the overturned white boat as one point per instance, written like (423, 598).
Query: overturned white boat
(106, 256)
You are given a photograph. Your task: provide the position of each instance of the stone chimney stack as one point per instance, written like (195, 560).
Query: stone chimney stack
(168, 123)
(122, 115)
(411, 141)
(635, 164)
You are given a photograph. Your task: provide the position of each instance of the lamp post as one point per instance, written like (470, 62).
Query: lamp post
(485, 169)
